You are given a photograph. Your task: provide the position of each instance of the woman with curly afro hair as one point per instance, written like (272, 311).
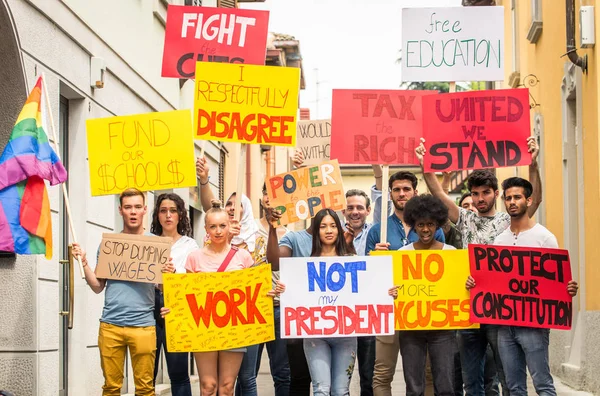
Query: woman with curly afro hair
(425, 214)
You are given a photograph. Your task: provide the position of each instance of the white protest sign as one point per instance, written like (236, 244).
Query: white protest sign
(453, 44)
(313, 138)
(336, 296)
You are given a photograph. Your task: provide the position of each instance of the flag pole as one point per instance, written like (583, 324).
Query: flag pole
(64, 187)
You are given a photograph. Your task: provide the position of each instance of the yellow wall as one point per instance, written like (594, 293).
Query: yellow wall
(544, 60)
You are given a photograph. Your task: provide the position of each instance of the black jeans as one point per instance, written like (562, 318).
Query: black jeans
(366, 363)
(177, 362)
(299, 373)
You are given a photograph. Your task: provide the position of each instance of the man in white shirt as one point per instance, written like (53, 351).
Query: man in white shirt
(524, 348)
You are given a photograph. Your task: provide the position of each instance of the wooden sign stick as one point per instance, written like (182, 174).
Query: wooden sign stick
(240, 182)
(385, 194)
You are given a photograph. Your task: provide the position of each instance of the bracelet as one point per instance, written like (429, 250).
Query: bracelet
(378, 177)
(204, 184)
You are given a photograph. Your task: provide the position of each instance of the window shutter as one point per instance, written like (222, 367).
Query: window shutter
(227, 3)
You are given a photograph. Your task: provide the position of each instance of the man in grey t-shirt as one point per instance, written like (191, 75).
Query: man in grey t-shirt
(128, 316)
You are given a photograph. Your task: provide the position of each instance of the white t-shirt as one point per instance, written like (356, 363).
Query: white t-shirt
(536, 236)
(181, 250)
(411, 246)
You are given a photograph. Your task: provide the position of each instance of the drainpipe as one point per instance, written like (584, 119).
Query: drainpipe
(571, 48)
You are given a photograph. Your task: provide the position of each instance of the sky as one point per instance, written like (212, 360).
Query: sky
(344, 43)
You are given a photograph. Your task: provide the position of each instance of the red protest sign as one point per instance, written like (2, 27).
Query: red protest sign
(520, 286)
(476, 129)
(209, 34)
(376, 126)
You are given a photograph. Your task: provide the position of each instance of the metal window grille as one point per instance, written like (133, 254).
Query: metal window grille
(193, 3)
(222, 176)
(227, 3)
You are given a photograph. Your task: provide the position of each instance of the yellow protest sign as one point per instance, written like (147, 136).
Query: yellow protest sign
(301, 193)
(218, 310)
(431, 294)
(246, 103)
(153, 151)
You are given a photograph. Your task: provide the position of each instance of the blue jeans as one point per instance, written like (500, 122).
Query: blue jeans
(366, 363)
(177, 362)
(441, 345)
(246, 380)
(473, 345)
(278, 359)
(523, 348)
(331, 363)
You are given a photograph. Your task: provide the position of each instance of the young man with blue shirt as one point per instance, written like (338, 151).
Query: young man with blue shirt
(128, 316)
(403, 186)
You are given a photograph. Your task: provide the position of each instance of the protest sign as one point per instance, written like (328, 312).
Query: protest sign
(453, 44)
(376, 126)
(153, 151)
(336, 297)
(301, 193)
(476, 129)
(246, 103)
(134, 258)
(313, 138)
(521, 286)
(431, 293)
(218, 310)
(209, 34)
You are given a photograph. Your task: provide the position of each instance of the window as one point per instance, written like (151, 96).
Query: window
(193, 2)
(535, 29)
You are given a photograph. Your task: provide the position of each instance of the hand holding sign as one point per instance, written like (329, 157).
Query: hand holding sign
(477, 129)
(134, 258)
(521, 286)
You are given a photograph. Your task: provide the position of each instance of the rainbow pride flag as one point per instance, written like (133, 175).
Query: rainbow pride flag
(28, 159)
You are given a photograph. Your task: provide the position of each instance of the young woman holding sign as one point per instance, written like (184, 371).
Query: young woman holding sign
(170, 219)
(218, 370)
(425, 214)
(330, 360)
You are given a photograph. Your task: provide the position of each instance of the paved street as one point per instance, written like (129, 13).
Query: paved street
(265, 384)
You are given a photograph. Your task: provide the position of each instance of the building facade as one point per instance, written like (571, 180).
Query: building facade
(77, 43)
(542, 42)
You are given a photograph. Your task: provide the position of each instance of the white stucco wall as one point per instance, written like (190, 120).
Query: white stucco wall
(59, 38)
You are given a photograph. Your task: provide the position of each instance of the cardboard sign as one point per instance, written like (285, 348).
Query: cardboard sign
(301, 193)
(134, 258)
(521, 286)
(336, 297)
(218, 310)
(153, 151)
(246, 104)
(453, 44)
(209, 34)
(313, 138)
(476, 129)
(431, 294)
(376, 126)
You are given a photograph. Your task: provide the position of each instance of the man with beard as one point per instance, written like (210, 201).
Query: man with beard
(403, 186)
(481, 228)
(358, 207)
(299, 244)
(524, 348)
